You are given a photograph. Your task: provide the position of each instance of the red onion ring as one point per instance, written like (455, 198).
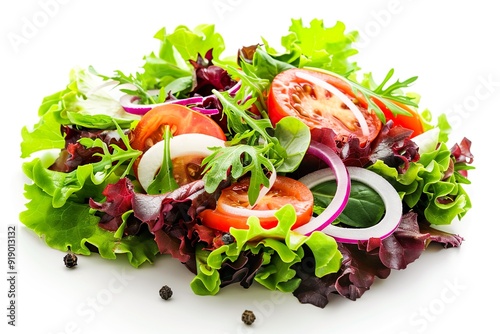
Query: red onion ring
(389, 195)
(339, 201)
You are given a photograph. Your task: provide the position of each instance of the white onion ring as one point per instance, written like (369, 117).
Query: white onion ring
(389, 195)
(180, 145)
(246, 212)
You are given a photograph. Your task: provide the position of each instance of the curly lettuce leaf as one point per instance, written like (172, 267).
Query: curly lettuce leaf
(281, 249)
(45, 135)
(429, 188)
(87, 180)
(171, 68)
(319, 46)
(88, 104)
(61, 186)
(72, 226)
(84, 102)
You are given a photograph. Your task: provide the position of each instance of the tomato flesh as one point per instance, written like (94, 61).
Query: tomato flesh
(235, 197)
(413, 122)
(317, 107)
(187, 168)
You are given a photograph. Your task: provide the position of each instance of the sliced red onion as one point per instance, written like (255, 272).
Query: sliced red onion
(389, 195)
(128, 102)
(180, 145)
(206, 111)
(232, 91)
(341, 197)
(129, 105)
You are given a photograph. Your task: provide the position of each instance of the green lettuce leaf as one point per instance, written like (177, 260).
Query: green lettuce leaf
(319, 46)
(72, 226)
(281, 248)
(170, 68)
(424, 187)
(45, 135)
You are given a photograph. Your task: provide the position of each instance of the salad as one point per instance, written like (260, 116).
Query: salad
(283, 166)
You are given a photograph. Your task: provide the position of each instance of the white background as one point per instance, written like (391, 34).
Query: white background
(450, 45)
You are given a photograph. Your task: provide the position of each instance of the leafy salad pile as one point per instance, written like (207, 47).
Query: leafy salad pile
(265, 107)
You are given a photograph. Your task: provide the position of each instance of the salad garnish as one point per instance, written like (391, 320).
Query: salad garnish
(292, 169)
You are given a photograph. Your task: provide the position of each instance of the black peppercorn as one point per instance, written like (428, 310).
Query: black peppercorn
(70, 260)
(166, 292)
(248, 317)
(227, 239)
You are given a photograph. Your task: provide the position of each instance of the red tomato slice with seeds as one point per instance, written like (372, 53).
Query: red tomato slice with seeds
(301, 93)
(233, 208)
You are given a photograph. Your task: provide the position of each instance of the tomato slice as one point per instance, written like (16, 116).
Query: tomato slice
(233, 208)
(413, 122)
(181, 119)
(317, 107)
(151, 127)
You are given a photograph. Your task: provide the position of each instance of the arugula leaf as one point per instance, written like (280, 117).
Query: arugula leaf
(164, 181)
(251, 85)
(253, 149)
(231, 158)
(134, 80)
(387, 95)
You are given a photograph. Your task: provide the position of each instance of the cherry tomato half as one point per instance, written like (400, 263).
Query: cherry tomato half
(317, 107)
(233, 208)
(151, 127)
(413, 122)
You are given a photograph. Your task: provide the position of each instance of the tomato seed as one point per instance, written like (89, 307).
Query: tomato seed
(307, 88)
(318, 112)
(148, 143)
(300, 109)
(193, 170)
